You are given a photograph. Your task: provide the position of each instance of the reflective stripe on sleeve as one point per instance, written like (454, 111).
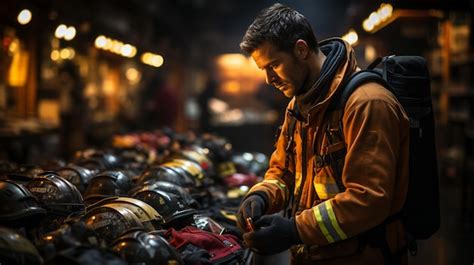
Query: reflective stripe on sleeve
(327, 222)
(280, 185)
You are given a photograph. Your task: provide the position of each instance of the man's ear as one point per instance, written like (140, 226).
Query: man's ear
(301, 49)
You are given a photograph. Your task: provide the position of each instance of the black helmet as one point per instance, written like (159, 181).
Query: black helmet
(174, 175)
(171, 207)
(18, 206)
(96, 160)
(77, 175)
(17, 250)
(219, 149)
(107, 184)
(110, 221)
(58, 195)
(192, 169)
(140, 247)
(147, 215)
(168, 187)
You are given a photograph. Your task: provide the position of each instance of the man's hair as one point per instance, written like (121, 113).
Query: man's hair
(280, 25)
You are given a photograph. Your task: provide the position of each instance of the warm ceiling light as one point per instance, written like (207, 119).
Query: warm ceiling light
(115, 46)
(70, 33)
(128, 50)
(367, 25)
(64, 53)
(55, 55)
(351, 37)
(132, 75)
(386, 11)
(61, 31)
(24, 17)
(152, 59)
(100, 42)
(376, 18)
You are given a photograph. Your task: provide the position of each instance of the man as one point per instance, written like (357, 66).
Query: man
(343, 211)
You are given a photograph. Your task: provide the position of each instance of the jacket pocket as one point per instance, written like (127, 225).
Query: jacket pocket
(324, 183)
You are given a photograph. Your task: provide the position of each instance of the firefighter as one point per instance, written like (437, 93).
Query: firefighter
(342, 177)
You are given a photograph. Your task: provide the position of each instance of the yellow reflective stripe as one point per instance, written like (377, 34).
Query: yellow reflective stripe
(274, 181)
(327, 190)
(322, 226)
(280, 185)
(256, 185)
(328, 223)
(334, 222)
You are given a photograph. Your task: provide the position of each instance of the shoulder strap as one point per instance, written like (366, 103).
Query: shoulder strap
(355, 81)
(288, 152)
(290, 136)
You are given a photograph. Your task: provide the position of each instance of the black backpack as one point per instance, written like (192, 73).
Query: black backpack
(408, 79)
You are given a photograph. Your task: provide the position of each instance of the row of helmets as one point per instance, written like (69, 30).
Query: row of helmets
(116, 195)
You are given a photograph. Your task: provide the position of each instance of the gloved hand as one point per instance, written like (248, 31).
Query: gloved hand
(252, 206)
(273, 234)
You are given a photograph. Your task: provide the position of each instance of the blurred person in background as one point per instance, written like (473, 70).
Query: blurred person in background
(73, 109)
(160, 104)
(205, 116)
(342, 184)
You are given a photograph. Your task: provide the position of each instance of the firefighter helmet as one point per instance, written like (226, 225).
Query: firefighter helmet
(166, 187)
(173, 209)
(107, 184)
(139, 247)
(77, 175)
(18, 205)
(110, 221)
(57, 195)
(148, 216)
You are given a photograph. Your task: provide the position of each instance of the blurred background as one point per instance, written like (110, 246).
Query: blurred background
(74, 74)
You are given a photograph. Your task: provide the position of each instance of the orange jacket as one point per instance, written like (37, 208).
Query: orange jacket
(375, 174)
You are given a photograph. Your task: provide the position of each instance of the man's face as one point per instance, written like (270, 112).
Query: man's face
(283, 70)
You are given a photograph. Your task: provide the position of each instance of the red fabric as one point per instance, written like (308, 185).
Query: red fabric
(238, 179)
(219, 246)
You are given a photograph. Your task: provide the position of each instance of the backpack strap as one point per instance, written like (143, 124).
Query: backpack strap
(290, 137)
(355, 81)
(288, 154)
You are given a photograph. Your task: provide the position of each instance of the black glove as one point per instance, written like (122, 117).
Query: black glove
(252, 206)
(273, 234)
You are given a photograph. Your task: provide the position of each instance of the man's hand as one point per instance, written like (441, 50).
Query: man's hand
(273, 234)
(253, 206)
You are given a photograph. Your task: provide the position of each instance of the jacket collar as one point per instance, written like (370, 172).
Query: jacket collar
(339, 65)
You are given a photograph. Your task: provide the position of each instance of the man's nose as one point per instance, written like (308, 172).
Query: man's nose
(270, 76)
